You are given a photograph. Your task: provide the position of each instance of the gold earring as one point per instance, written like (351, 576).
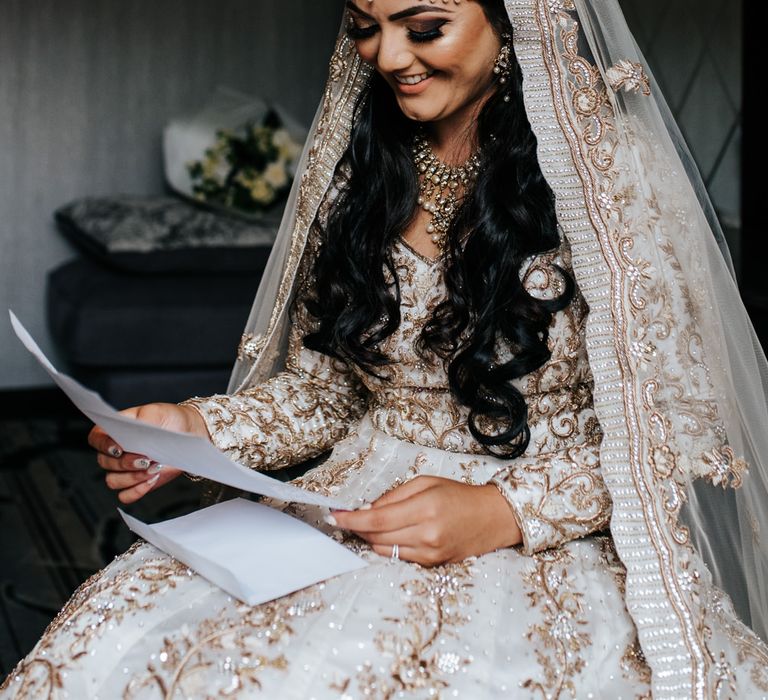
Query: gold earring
(502, 64)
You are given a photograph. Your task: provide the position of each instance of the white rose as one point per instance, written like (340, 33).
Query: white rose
(275, 175)
(281, 138)
(285, 144)
(261, 192)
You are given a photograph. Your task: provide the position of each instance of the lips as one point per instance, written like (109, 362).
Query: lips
(413, 79)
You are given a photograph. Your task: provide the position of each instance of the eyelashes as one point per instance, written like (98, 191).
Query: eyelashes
(357, 33)
(428, 35)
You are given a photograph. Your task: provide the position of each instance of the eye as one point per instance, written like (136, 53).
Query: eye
(429, 34)
(355, 33)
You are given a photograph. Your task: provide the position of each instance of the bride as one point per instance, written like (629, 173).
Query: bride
(497, 298)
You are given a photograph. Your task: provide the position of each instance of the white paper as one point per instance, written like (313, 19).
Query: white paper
(188, 452)
(253, 552)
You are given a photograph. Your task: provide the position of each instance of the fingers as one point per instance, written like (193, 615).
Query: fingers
(403, 506)
(405, 553)
(137, 491)
(419, 516)
(407, 537)
(128, 462)
(118, 481)
(134, 475)
(101, 442)
(406, 490)
(386, 518)
(133, 494)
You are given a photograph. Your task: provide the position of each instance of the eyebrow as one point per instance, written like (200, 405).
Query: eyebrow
(410, 12)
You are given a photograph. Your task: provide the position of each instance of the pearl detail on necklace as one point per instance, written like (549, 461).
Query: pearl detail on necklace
(439, 187)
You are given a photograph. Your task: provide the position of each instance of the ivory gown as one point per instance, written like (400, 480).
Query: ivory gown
(544, 620)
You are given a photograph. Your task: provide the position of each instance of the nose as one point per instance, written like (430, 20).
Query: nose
(394, 54)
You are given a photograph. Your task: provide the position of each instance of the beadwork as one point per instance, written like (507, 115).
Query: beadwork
(441, 187)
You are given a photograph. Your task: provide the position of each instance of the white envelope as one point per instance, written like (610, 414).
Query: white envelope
(193, 454)
(254, 552)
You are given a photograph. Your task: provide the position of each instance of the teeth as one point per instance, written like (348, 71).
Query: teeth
(414, 79)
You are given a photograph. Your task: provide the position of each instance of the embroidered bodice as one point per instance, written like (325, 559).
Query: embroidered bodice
(413, 402)
(555, 489)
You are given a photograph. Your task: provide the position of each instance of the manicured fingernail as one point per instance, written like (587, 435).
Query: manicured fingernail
(155, 468)
(141, 463)
(152, 481)
(330, 520)
(115, 451)
(365, 506)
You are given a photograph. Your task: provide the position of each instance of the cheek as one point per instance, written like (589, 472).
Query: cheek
(469, 78)
(367, 51)
(461, 59)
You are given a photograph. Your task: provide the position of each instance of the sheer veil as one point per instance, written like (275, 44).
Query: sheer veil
(680, 378)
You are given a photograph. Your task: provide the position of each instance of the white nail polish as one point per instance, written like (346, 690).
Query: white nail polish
(155, 468)
(141, 463)
(115, 451)
(365, 506)
(330, 520)
(152, 481)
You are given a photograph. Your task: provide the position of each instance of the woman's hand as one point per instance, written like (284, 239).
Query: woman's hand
(435, 520)
(134, 475)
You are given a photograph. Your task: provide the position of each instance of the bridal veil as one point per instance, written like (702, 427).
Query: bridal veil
(680, 378)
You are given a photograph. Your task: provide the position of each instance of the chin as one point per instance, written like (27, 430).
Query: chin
(419, 114)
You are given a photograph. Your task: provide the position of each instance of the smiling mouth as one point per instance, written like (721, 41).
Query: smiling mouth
(413, 79)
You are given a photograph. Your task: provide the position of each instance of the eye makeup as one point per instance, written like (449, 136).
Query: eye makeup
(356, 33)
(430, 33)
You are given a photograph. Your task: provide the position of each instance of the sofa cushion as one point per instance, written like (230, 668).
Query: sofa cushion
(107, 318)
(151, 235)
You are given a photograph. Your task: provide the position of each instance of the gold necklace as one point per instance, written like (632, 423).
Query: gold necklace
(439, 187)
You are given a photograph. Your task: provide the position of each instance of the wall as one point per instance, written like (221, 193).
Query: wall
(86, 85)
(694, 48)
(85, 88)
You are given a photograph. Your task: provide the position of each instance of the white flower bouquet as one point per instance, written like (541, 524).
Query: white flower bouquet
(246, 170)
(238, 154)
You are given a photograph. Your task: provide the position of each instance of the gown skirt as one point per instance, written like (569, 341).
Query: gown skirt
(551, 625)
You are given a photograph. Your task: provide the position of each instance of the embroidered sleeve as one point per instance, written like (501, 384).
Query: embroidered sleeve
(558, 494)
(556, 497)
(295, 415)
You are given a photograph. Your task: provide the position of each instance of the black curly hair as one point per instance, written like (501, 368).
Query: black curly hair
(508, 216)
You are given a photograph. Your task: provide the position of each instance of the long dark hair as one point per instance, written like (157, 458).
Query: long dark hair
(508, 216)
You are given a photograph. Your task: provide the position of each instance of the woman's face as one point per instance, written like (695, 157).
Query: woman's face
(438, 59)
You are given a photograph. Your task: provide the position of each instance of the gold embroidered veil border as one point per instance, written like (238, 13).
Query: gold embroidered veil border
(680, 379)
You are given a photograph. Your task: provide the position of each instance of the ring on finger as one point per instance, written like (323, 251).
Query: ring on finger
(395, 556)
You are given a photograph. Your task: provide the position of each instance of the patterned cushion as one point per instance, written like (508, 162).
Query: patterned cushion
(166, 234)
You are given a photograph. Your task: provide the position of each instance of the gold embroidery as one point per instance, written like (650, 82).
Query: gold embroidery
(297, 414)
(557, 497)
(559, 639)
(250, 346)
(582, 167)
(725, 468)
(98, 604)
(328, 477)
(437, 603)
(348, 77)
(235, 643)
(630, 76)
(413, 401)
(750, 649)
